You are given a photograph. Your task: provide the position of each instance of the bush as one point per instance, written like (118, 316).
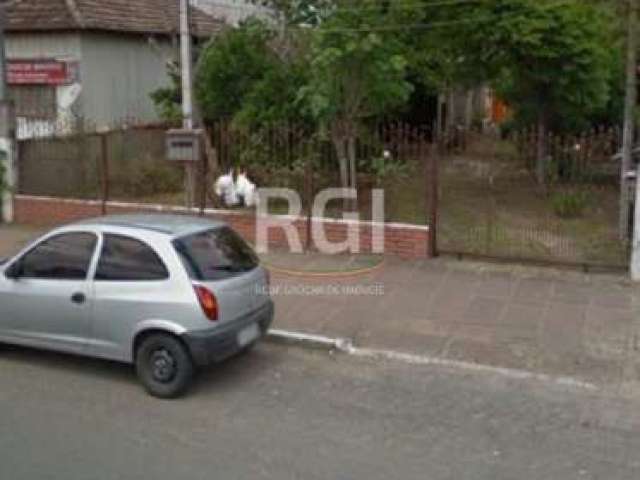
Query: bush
(153, 179)
(570, 204)
(383, 168)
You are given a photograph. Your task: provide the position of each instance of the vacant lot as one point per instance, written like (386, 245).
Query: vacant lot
(490, 204)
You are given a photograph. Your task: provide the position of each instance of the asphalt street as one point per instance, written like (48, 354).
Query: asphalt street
(285, 413)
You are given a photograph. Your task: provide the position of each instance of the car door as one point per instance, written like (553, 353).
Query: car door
(131, 285)
(46, 299)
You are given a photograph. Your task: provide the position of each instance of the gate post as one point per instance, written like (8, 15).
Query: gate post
(8, 160)
(432, 185)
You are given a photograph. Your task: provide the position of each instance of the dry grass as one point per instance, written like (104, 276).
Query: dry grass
(491, 205)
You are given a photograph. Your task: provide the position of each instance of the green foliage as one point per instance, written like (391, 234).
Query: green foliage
(383, 168)
(153, 179)
(560, 61)
(167, 99)
(241, 76)
(273, 98)
(339, 62)
(570, 204)
(357, 71)
(551, 62)
(229, 68)
(444, 56)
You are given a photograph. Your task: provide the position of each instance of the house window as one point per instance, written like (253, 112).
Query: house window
(34, 101)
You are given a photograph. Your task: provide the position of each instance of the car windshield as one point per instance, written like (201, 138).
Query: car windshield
(15, 239)
(215, 254)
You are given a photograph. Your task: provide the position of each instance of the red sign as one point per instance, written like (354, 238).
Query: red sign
(37, 72)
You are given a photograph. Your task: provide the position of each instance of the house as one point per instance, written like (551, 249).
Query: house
(75, 63)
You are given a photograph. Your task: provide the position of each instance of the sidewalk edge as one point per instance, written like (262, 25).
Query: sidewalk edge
(345, 345)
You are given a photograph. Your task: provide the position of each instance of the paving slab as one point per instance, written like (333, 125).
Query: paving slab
(549, 321)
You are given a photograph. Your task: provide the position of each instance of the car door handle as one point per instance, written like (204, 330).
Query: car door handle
(78, 298)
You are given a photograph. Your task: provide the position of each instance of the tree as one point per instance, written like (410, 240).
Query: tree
(551, 62)
(167, 100)
(358, 71)
(230, 66)
(241, 75)
(438, 42)
(557, 64)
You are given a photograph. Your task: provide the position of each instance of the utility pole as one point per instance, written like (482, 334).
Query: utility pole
(186, 62)
(629, 118)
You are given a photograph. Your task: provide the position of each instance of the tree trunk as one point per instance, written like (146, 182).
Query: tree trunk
(340, 144)
(468, 114)
(353, 169)
(541, 149)
(451, 113)
(441, 116)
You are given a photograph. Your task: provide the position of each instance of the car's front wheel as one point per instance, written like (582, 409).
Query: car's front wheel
(164, 366)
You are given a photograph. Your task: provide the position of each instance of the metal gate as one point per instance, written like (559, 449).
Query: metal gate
(491, 204)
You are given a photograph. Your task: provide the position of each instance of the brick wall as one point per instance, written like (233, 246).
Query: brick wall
(407, 241)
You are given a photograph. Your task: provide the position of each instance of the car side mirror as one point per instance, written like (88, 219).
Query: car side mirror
(14, 272)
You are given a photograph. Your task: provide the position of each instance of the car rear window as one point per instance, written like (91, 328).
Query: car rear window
(215, 254)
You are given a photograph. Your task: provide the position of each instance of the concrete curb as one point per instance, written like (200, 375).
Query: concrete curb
(317, 342)
(345, 345)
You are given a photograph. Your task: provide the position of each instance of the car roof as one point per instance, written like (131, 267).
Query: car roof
(173, 225)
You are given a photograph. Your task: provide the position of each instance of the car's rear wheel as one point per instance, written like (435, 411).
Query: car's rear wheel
(164, 366)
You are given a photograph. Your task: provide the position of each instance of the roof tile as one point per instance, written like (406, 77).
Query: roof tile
(128, 16)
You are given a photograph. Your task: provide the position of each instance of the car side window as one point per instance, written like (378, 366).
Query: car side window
(63, 257)
(126, 259)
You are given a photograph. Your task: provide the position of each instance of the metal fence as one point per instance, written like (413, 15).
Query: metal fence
(492, 206)
(389, 157)
(479, 198)
(121, 164)
(129, 164)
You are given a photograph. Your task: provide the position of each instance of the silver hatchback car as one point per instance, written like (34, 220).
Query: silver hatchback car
(166, 293)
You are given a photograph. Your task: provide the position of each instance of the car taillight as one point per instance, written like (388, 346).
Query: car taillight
(208, 302)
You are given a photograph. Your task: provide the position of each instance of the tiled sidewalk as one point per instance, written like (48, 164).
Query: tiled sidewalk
(546, 321)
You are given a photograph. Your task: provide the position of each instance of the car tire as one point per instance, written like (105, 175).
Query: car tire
(164, 366)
